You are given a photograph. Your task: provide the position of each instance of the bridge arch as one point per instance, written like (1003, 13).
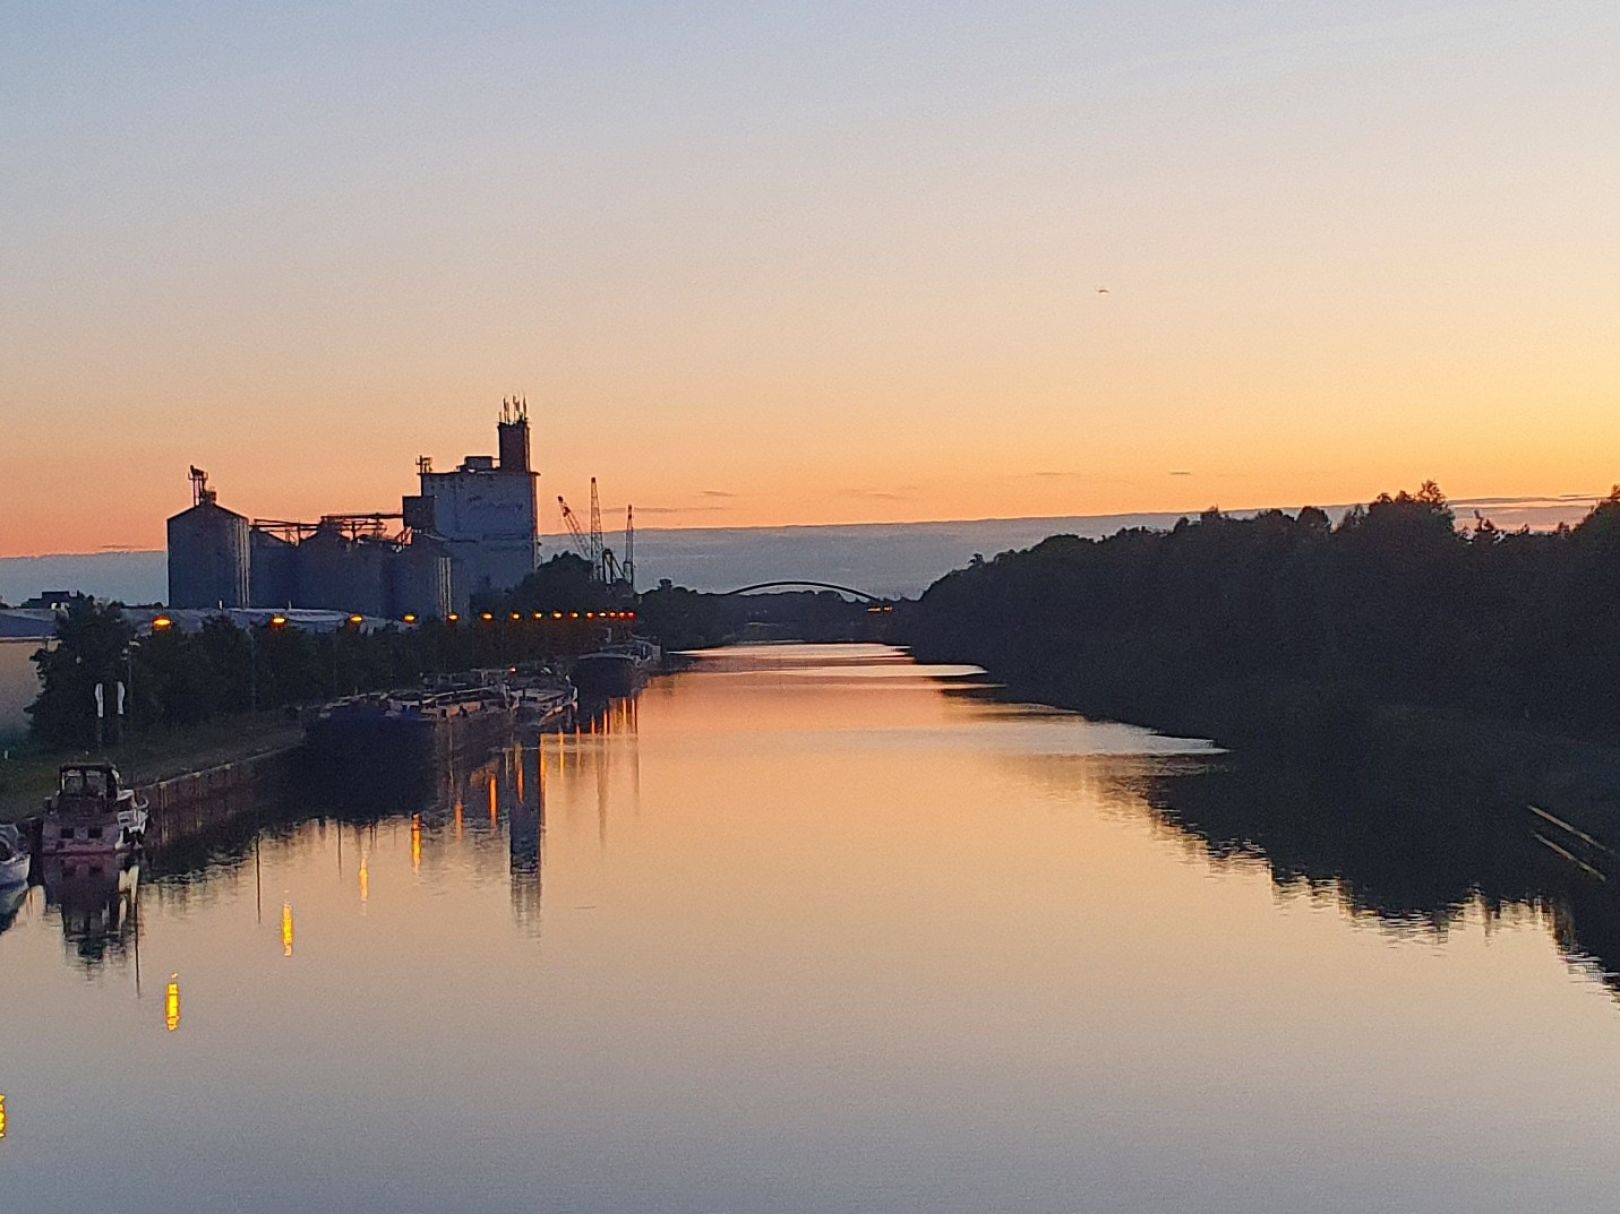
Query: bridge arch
(800, 584)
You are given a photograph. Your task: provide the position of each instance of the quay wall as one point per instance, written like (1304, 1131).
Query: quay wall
(196, 802)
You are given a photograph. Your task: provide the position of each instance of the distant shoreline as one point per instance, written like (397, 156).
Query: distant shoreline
(889, 559)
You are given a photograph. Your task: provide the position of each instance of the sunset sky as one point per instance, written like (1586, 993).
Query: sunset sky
(760, 264)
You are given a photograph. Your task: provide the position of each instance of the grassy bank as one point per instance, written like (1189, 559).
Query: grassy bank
(30, 774)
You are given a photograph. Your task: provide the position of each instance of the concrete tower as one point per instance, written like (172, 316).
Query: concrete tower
(485, 514)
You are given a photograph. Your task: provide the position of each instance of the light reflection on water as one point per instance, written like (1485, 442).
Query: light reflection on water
(769, 941)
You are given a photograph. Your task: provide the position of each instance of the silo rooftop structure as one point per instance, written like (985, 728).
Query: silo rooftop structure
(208, 552)
(485, 513)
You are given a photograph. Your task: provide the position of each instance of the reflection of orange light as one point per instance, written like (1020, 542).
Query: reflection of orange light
(520, 775)
(416, 844)
(171, 1004)
(459, 812)
(286, 929)
(492, 810)
(2, 1115)
(365, 879)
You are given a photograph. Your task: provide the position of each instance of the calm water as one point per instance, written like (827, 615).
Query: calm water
(812, 929)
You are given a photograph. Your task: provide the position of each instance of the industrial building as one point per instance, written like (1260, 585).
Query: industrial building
(471, 531)
(485, 513)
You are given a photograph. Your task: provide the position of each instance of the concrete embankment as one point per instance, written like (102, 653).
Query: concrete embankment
(181, 766)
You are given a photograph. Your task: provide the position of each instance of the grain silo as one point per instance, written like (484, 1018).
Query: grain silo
(342, 573)
(208, 552)
(420, 580)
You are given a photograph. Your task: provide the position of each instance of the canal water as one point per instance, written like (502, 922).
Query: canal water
(811, 929)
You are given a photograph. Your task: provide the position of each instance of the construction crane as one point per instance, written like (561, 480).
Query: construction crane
(599, 555)
(606, 565)
(576, 533)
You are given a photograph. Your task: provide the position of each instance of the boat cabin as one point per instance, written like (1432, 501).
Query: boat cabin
(88, 786)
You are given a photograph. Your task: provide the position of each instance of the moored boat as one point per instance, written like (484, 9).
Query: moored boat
(92, 812)
(409, 717)
(14, 857)
(616, 670)
(541, 696)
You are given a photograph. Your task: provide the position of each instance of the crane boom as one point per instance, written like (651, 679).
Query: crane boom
(598, 565)
(575, 531)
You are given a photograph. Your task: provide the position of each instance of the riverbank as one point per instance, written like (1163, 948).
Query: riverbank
(151, 758)
(1392, 752)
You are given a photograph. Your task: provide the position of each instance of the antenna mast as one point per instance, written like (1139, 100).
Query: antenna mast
(630, 547)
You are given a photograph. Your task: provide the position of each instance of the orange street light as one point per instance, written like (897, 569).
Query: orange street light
(556, 615)
(517, 615)
(410, 618)
(161, 623)
(453, 617)
(278, 621)
(357, 620)
(487, 616)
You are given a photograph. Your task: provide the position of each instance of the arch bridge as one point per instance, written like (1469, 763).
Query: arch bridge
(799, 584)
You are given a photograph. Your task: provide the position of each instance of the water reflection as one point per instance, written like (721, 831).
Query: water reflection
(1409, 850)
(95, 899)
(706, 941)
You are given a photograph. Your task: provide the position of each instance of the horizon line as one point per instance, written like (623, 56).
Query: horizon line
(1550, 499)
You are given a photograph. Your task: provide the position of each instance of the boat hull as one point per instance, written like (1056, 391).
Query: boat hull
(609, 674)
(14, 871)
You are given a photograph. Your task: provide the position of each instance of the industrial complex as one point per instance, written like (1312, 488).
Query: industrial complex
(469, 531)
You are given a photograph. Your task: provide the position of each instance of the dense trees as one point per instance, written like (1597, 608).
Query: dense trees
(1235, 626)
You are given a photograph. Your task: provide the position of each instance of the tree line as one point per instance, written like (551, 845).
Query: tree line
(1239, 628)
(173, 678)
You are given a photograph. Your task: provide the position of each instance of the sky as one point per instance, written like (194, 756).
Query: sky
(764, 264)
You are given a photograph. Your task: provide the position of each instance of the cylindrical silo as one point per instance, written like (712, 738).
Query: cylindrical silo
(208, 557)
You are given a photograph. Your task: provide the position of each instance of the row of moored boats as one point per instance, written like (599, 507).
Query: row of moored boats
(93, 812)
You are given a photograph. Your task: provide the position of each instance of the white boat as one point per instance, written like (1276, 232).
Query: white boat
(92, 812)
(541, 696)
(14, 857)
